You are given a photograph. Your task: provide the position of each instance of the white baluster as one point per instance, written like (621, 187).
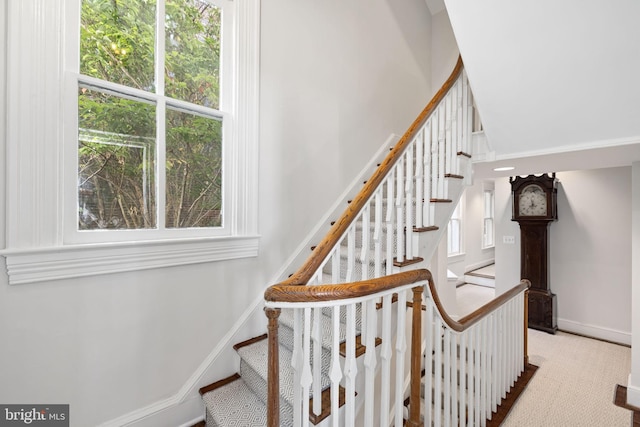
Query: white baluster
(459, 118)
(335, 374)
(435, 153)
(350, 367)
(512, 334)
(351, 253)
(446, 350)
(485, 372)
(479, 382)
(521, 332)
(401, 348)
(385, 359)
(430, 336)
(502, 358)
(454, 129)
(296, 363)
(464, 360)
(400, 212)
(306, 378)
(419, 141)
(454, 379)
(437, 374)
(370, 362)
(496, 361)
(365, 219)
(507, 348)
(317, 361)
(427, 218)
(470, 113)
(472, 379)
(448, 126)
(389, 221)
(377, 234)
(464, 115)
(441, 150)
(501, 354)
(409, 203)
(335, 263)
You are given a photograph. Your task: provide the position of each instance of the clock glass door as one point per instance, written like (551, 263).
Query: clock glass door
(532, 201)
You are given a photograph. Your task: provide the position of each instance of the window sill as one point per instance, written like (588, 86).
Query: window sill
(64, 262)
(456, 257)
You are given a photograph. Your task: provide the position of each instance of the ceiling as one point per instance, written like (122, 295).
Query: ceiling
(557, 84)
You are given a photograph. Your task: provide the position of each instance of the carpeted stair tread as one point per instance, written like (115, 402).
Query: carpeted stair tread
(234, 405)
(255, 356)
(326, 326)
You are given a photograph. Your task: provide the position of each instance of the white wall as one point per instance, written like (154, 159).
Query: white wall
(590, 251)
(633, 386)
(336, 80)
(444, 49)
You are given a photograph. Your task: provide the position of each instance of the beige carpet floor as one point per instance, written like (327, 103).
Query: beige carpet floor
(574, 385)
(471, 297)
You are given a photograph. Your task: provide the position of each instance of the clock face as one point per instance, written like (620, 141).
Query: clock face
(532, 201)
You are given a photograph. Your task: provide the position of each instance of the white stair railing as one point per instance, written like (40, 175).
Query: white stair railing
(343, 374)
(396, 201)
(475, 361)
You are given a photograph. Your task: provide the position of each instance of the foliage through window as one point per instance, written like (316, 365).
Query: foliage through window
(150, 117)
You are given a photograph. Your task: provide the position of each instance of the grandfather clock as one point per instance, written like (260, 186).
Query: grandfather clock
(534, 207)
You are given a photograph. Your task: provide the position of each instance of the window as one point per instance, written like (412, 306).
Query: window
(144, 152)
(454, 231)
(488, 231)
(140, 101)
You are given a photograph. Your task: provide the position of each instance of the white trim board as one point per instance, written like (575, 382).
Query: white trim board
(475, 266)
(594, 331)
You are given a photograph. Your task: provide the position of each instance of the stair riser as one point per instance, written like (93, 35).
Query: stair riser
(358, 267)
(259, 386)
(285, 337)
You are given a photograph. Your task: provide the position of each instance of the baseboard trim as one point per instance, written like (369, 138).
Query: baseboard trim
(194, 422)
(593, 331)
(477, 265)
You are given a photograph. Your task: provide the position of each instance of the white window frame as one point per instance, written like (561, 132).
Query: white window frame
(456, 218)
(488, 237)
(39, 246)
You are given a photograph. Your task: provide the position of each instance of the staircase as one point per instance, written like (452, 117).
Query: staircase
(345, 342)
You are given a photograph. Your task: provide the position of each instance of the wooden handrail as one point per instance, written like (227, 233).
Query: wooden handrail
(474, 317)
(296, 293)
(323, 249)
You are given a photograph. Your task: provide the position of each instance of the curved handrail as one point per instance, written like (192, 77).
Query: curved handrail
(474, 317)
(296, 293)
(323, 249)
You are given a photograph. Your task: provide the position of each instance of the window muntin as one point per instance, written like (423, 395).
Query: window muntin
(130, 60)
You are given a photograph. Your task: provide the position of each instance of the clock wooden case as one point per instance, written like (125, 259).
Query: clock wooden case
(534, 208)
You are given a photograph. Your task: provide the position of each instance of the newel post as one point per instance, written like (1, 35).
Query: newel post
(416, 358)
(273, 386)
